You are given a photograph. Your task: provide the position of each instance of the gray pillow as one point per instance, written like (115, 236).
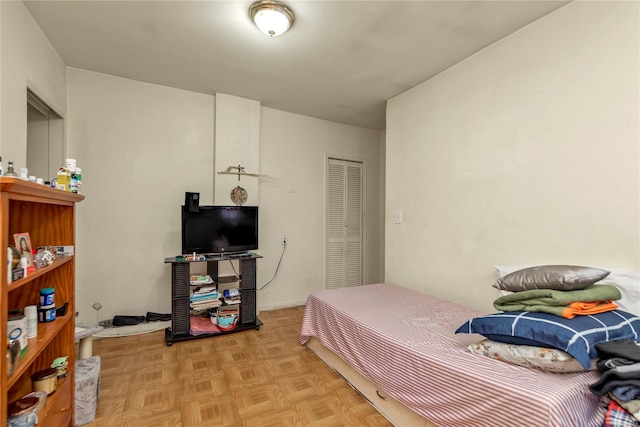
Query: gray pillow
(558, 277)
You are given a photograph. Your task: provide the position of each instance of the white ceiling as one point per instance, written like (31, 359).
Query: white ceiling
(340, 61)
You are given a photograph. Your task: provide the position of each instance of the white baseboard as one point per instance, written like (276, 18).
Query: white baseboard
(281, 305)
(124, 331)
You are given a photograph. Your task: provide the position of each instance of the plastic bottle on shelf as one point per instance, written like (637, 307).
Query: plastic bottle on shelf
(10, 171)
(63, 180)
(73, 184)
(1, 167)
(73, 179)
(79, 178)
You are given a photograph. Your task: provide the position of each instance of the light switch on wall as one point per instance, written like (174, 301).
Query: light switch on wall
(398, 217)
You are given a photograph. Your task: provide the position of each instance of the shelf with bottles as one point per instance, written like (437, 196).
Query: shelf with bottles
(48, 215)
(68, 178)
(37, 347)
(57, 263)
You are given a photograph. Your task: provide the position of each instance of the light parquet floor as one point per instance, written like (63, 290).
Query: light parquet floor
(251, 378)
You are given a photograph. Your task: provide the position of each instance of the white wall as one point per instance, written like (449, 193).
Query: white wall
(237, 142)
(293, 152)
(28, 60)
(140, 147)
(526, 152)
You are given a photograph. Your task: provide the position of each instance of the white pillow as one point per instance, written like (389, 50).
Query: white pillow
(541, 358)
(627, 281)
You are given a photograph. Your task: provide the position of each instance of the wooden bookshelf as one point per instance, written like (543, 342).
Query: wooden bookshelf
(48, 215)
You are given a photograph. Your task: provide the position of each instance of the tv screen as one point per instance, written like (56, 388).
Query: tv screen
(219, 229)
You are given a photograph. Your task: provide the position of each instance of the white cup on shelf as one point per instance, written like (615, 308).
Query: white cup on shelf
(31, 311)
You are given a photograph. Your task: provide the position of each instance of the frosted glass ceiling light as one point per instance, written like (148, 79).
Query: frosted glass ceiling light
(271, 17)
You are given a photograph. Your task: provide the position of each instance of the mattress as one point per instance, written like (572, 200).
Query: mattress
(404, 342)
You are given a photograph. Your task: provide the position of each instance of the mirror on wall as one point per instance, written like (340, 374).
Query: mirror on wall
(45, 137)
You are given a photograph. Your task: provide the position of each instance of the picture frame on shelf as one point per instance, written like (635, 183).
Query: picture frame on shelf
(23, 244)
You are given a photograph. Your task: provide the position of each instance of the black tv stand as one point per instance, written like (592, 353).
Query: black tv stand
(181, 291)
(240, 255)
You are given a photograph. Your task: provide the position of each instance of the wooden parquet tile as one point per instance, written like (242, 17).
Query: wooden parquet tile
(202, 388)
(261, 378)
(234, 357)
(145, 402)
(326, 410)
(156, 357)
(114, 385)
(257, 401)
(207, 365)
(218, 412)
(300, 387)
(170, 418)
(145, 377)
(284, 418)
(109, 411)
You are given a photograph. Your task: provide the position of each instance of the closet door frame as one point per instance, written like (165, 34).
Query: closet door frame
(363, 202)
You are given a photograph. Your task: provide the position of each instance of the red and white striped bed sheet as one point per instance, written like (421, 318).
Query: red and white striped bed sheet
(403, 341)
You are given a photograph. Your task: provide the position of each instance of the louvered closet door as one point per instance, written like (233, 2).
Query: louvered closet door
(344, 246)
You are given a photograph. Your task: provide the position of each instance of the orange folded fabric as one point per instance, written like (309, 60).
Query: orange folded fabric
(584, 308)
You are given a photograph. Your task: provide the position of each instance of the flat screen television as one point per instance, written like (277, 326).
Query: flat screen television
(219, 229)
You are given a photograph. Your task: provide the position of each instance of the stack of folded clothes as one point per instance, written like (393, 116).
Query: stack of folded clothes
(204, 298)
(619, 366)
(567, 304)
(566, 291)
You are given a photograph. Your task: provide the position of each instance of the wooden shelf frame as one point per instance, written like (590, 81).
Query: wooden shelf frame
(46, 333)
(39, 273)
(48, 215)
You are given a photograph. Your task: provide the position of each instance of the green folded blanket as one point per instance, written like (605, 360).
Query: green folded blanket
(553, 301)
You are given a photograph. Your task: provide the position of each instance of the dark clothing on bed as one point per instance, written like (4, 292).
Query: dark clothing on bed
(626, 349)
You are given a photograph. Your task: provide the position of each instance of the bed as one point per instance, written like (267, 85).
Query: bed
(399, 349)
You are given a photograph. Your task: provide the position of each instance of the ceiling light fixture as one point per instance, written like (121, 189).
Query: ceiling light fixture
(271, 17)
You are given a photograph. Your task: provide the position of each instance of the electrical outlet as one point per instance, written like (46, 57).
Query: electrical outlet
(284, 239)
